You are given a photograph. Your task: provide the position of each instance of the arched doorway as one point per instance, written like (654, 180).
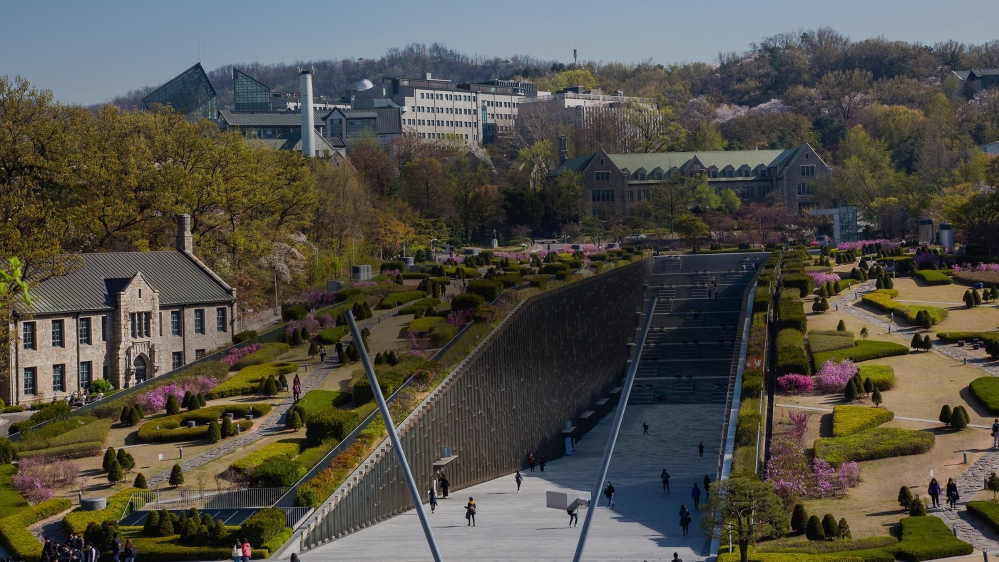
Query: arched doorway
(139, 369)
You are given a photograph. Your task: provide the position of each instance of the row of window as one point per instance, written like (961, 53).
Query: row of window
(450, 97)
(451, 110)
(601, 195)
(87, 373)
(500, 116)
(443, 135)
(435, 123)
(139, 327)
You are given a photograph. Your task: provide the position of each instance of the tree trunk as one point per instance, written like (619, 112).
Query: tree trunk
(743, 550)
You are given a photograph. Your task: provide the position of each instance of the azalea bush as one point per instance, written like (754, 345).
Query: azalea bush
(309, 322)
(38, 477)
(459, 318)
(992, 267)
(821, 278)
(885, 244)
(155, 400)
(237, 353)
(787, 470)
(792, 383)
(833, 376)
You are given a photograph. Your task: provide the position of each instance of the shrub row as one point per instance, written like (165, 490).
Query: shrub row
(791, 356)
(420, 306)
(423, 325)
(862, 351)
(316, 400)
(72, 451)
(986, 389)
(934, 277)
(882, 376)
(801, 281)
(883, 299)
(63, 432)
(249, 379)
(329, 423)
(762, 300)
(215, 369)
(49, 412)
(15, 536)
(848, 420)
(287, 448)
(878, 443)
(791, 313)
(819, 342)
(393, 300)
(332, 335)
(76, 521)
(266, 354)
(168, 428)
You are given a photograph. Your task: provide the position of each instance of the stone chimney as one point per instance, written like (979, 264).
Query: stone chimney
(185, 242)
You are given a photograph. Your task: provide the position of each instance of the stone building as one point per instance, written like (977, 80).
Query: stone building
(613, 183)
(122, 316)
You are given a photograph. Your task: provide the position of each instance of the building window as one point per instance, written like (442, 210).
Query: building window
(86, 374)
(631, 195)
(804, 189)
(140, 324)
(763, 172)
(807, 171)
(601, 195)
(57, 326)
(598, 213)
(28, 335)
(603, 176)
(104, 328)
(84, 331)
(174, 322)
(29, 380)
(199, 321)
(176, 360)
(198, 354)
(58, 378)
(220, 320)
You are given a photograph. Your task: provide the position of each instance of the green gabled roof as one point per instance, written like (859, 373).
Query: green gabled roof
(717, 158)
(572, 165)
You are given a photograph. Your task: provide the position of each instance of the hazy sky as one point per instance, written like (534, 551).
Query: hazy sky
(87, 52)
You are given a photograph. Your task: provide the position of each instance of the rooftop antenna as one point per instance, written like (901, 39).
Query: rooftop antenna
(575, 59)
(199, 49)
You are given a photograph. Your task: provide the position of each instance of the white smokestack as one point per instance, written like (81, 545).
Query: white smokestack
(308, 117)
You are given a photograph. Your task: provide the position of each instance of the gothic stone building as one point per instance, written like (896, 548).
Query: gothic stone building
(612, 183)
(123, 316)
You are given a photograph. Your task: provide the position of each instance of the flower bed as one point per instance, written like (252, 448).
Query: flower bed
(833, 376)
(795, 383)
(878, 443)
(988, 278)
(263, 354)
(155, 400)
(168, 428)
(822, 277)
(819, 342)
(72, 438)
(848, 420)
(249, 379)
(862, 351)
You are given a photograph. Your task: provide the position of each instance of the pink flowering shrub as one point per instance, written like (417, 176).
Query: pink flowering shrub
(364, 284)
(886, 244)
(834, 376)
(792, 382)
(993, 267)
(459, 318)
(825, 477)
(38, 477)
(155, 400)
(799, 426)
(322, 297)
(787, 470)
(310, 323)
(235, 354)
(821, 278)
(849, 475)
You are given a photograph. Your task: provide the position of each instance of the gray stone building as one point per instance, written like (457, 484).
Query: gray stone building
(122, 316)
(613, 183)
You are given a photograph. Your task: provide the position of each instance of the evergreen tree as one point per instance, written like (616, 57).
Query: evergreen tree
(969, 301)
(125, 460)
(868, 386)
(916, 508)
(841, 327)
(851, 391)
(172, 407)
(379, 359)
(844, 529)
(176, 475)
(139, 411)
(152, 524)
(126, 414)
(294, 421)
(830, 526)
(341, 319)
(133, 417)
(917, 341)
(109, 457)
(270, 386)
(945, 415)
(186, 403)
(228, 428)
(193, 404)
(813, 529)
(959, 418)
(927, 342)
(799, 519)
(214, 432)
(115, 474)
(285, 338)
(392, 359)
(140, 482)
(864, 333)
(879, 284)
(876, 397)
(977, 296)
(296, 338)
(904, 497)
(201, 400)
(313, 349)
(368, 313)
(927, 322)
(823, 292)
(305, 334)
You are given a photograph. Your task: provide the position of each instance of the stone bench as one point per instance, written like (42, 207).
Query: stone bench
(587, 420)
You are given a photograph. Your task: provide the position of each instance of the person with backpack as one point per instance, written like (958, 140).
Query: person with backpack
(684, 518)
(116, 547)
(573, 511)
(952, 494)
(322, 354)
(92, 555)
(470, 512)
(609, 492)
(237, 551)
(519, 479)
(130, 551)
(541, 463)
(247, 551)
(296, 390)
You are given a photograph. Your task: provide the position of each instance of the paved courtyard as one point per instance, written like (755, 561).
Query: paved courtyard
(643, 525)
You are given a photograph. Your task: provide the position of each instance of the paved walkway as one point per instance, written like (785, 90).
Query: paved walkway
(643, 525)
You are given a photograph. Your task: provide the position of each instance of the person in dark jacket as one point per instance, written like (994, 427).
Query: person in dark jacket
(707, 485)
(684, 518)
(433, 501)
(530, 461)
(952, 494)
(470, 511)
(609, 492)
(665, 479)
(443, 481)
(519, 479)
(934, 492)
(541, 463)
(696, 494)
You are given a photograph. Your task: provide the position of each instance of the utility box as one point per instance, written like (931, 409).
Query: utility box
(927, 234)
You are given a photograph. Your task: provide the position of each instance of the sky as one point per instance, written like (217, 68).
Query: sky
(88, 52)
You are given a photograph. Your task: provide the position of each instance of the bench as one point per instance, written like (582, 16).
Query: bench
(587, 420)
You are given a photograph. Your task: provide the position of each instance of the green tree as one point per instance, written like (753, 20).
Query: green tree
(671, 197)
(125, 460)
(851, 392)
(959, 418)
(749, 508)
(140, 482)
(313, 349)
(214, 432)
(841, 327)
(945, 415)
(844, 529)
(562, 199)
(115, 473)
(992, 485)
(269, 388)
(654, 126)
(813, 530)
(829, 526)
(294, 421)
(876, 398)
(594, 229)
(691, 228)
(916, 508)
(172, 407)
(109, 456)
(466, 178)
(904, 497)
(864, 333)
(228, 428)
(917, 342)
(868, 386)
(176, 475)
(799, 518)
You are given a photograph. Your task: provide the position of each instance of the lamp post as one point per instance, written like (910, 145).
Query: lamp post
(433, 252)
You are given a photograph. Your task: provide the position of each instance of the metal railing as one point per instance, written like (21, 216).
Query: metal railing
(153, 500)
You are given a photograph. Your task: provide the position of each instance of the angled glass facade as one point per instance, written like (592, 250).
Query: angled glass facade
(248, 94)
(190, 93)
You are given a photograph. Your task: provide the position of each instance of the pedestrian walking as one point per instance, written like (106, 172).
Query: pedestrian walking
(645, 428)
(573, 511)
(519, 479)
(665, 478)
(952, 494)
(696, 494)
(339, 349)
(237, 551)
(294, 557)
(116, 547)
(530, 461)
(433, 501)
(130, 551)
(296, 390)
(443, 291)
(707, 484)
(470, 511)
(934, 492)
(700, 448)
(676, 558)
(541, 463)
(444, 485)
(684, 518)
(995, 434)
(247, 551)
(322, 354)
(609, 492)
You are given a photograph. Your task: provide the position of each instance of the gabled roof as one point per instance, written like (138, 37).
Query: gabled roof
(265, 118)
(718, 159)
(979, 72)
(387, 119)
(572, 164)
(94, 286)
(292, 140)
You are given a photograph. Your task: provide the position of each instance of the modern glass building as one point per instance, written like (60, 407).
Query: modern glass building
(190, 93)
(248, 94)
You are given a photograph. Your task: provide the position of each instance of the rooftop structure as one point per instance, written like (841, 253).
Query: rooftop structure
(248, 94)
(190, 93)
(970, 82)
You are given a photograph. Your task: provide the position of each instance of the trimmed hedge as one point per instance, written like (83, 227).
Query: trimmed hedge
(883, 299)
(488, 289)
(249, 380)
(927, 538)
(168, 428)
(263, 526)
(332, 335)
(847, 420)
(11, 502)
(393, 300)
(287, 448)
(878, 443)
(329, 424)
(791, 314)
(49, 412)
(266, 354)
(277, 472)
(71, 431)
(467, 300)
(819, 342)
(791, 356)
(882, 376)
(968, 336)
(317, 400)
(934, 277)
(986, 389)
(76, 521)
(15, 536)
(442, 332)
(862, 351)
(423, 325)
(420, 306)
(801, 281)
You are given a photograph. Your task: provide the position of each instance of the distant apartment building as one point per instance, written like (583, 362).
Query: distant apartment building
(613, 183)
(126, 317)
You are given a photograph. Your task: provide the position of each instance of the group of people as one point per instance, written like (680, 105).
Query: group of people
(77, 550)
(242, 551)
(540, 462)
(933, 490)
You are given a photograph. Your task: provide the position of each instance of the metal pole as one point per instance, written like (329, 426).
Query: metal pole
(394, 437)
(636, 356)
